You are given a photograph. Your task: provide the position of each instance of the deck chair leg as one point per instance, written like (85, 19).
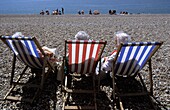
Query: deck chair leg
(113, 80)
(159, 103)
(63, 73)
(7, 94)
(94, 89)
(64, 93)
(150, 77)
(63, 106)
(149, 96)
(13, 68)
(43, 73)
(121, 104)
(13, 85)
(98, 85)
(114, 91)
(151, 102)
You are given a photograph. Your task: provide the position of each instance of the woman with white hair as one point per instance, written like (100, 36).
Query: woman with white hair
(81, 35)
(107, 62)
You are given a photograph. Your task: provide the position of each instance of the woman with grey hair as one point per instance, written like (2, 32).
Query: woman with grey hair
(107, 62)
(82, 35)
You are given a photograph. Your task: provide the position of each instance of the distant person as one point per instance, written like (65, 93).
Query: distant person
(114, 11)
(110, 12)
(96, 12)
(62, 9)
(59, 12)
(79, 12)
(90, 12)
(47, 12)
(42, 12)
(82, 12)
(54, 12)
(124, 12)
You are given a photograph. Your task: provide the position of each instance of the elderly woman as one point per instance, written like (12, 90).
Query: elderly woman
(107, 62)
(81, 35)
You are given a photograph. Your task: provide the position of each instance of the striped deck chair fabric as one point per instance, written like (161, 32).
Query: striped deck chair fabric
(133, 56)
(82, 58)
(25, 50)
(130, 59)
(84, 55)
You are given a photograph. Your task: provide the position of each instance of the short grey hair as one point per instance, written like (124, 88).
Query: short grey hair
(81, 35)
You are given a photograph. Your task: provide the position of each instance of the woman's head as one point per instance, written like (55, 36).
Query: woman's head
(81, 35)
(121, 37)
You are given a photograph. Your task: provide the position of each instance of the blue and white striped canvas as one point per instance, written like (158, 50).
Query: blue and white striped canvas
(133, 56)
(25, 49)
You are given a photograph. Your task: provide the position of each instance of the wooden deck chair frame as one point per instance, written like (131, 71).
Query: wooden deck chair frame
(45, 63)
(154, 46)
(83, 51)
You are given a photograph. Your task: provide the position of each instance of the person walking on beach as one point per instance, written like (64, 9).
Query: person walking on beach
(90, 12)
(62, 9)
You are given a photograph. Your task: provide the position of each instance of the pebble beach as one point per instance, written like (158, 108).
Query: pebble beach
(53, 30)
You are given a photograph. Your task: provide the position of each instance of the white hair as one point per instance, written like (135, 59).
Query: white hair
(81, 35)
(122, 37)
(17, 34)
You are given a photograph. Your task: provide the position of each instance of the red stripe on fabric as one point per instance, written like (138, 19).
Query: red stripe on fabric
(83, 57)
(113, 52)
(70, 55)
(96, 57)
(77, 55)
(90, 58)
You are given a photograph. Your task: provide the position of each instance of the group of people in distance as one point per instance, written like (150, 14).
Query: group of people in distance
(111, 12)
(95, 12)
(124, 12)
(58, 12)
(54, 12)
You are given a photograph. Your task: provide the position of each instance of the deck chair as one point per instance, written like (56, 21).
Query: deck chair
(83, 56)
(129, 60)
(25, 50)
